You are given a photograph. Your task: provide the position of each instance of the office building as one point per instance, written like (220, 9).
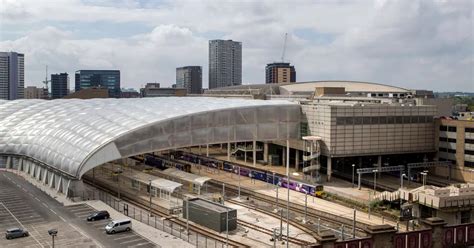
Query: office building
(108, 79)
(12, 75)
(276, 73)
(225, 63)
(33, 92)
(154, 90)
(89, 93)
(455, 143)
(59, 85)
(130, 93)
(189, 78)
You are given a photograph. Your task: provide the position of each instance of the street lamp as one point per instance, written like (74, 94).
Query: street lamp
(353, 167)
(401, 179)
(401, 186)
(53, 233)
(424, 174)
(375, 180)
(149, 190)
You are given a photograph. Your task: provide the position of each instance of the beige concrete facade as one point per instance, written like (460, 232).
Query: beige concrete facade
(455, 142)
(33, 92)
(370, 129)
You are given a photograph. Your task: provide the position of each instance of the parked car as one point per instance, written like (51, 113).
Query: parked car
(99, 215)
(118, 226)
(16, 232)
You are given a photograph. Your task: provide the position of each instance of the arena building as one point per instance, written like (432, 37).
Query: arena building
(356, 123)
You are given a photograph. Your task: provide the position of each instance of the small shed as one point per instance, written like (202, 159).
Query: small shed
(210, 214)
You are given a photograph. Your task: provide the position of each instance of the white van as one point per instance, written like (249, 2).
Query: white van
(118, 226)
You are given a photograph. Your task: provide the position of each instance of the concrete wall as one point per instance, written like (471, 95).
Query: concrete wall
(370, 139)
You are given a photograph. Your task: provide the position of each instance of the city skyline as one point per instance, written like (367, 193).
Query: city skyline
(412, 44)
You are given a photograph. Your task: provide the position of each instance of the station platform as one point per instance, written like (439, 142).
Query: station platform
(104, 174)
(339, 186)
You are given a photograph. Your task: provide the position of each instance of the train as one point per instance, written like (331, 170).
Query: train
(161, 163)
(268, 177)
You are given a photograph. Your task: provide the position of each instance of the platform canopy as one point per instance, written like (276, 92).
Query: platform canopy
(72, 136)
(185, 176)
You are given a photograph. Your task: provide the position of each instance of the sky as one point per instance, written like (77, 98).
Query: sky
(424, 44)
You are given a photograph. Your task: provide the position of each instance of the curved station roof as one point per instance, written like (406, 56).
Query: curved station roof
(73, 136)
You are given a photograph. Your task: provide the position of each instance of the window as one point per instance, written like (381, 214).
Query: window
(367, 120)
(414, 119)
(357, 120)
(451, 151)
(349, 120)
(469, 152)
(469, 130)
(441, 149)
(451, 140)
(390, 119)
(304, 129)
(451, 129)
(465, 216)
(443, 128)
(398, 119)
(468, 163)
(383, 120)
(443, 139)
(375, 120)
(406, 119)
(469, 141)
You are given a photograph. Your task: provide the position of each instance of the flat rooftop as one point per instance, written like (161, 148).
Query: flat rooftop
(211, 205)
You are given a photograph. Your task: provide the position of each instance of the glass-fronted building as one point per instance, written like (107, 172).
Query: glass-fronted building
(59, 85)
(109, 79)
(12, 75)
(189, 78)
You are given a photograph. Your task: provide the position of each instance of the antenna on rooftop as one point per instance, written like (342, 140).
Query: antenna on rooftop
(284, 48)
(46, 81)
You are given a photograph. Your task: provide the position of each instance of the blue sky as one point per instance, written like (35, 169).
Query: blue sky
(408, 43)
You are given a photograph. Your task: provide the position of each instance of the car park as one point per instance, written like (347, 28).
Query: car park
(118, 226)
(99, 215)
(13, 233)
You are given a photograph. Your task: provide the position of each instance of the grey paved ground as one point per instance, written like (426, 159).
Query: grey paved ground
(23, 205)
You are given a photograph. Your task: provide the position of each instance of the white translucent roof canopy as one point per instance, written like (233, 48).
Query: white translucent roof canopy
(73, 135)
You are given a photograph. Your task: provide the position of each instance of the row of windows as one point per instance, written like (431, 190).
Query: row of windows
(443, 159)
(447, 128)
(469, 163)
(443, 139)
(371, 120)
(469, 141)
(469, 129)
(441, 149)
(469, 152)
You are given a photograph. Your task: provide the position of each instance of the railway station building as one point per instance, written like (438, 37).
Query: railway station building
(357, 123)
(58, 141)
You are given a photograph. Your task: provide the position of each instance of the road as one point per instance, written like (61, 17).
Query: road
(24, 205)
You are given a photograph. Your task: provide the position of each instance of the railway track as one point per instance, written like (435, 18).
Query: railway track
(269, 203)
(293, 240)
(270, 232)
(139, 203)
(333, 222)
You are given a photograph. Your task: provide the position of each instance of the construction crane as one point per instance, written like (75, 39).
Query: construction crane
(284, 48)
(46, 81)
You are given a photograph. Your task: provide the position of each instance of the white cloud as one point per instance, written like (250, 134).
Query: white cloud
(415, 44)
